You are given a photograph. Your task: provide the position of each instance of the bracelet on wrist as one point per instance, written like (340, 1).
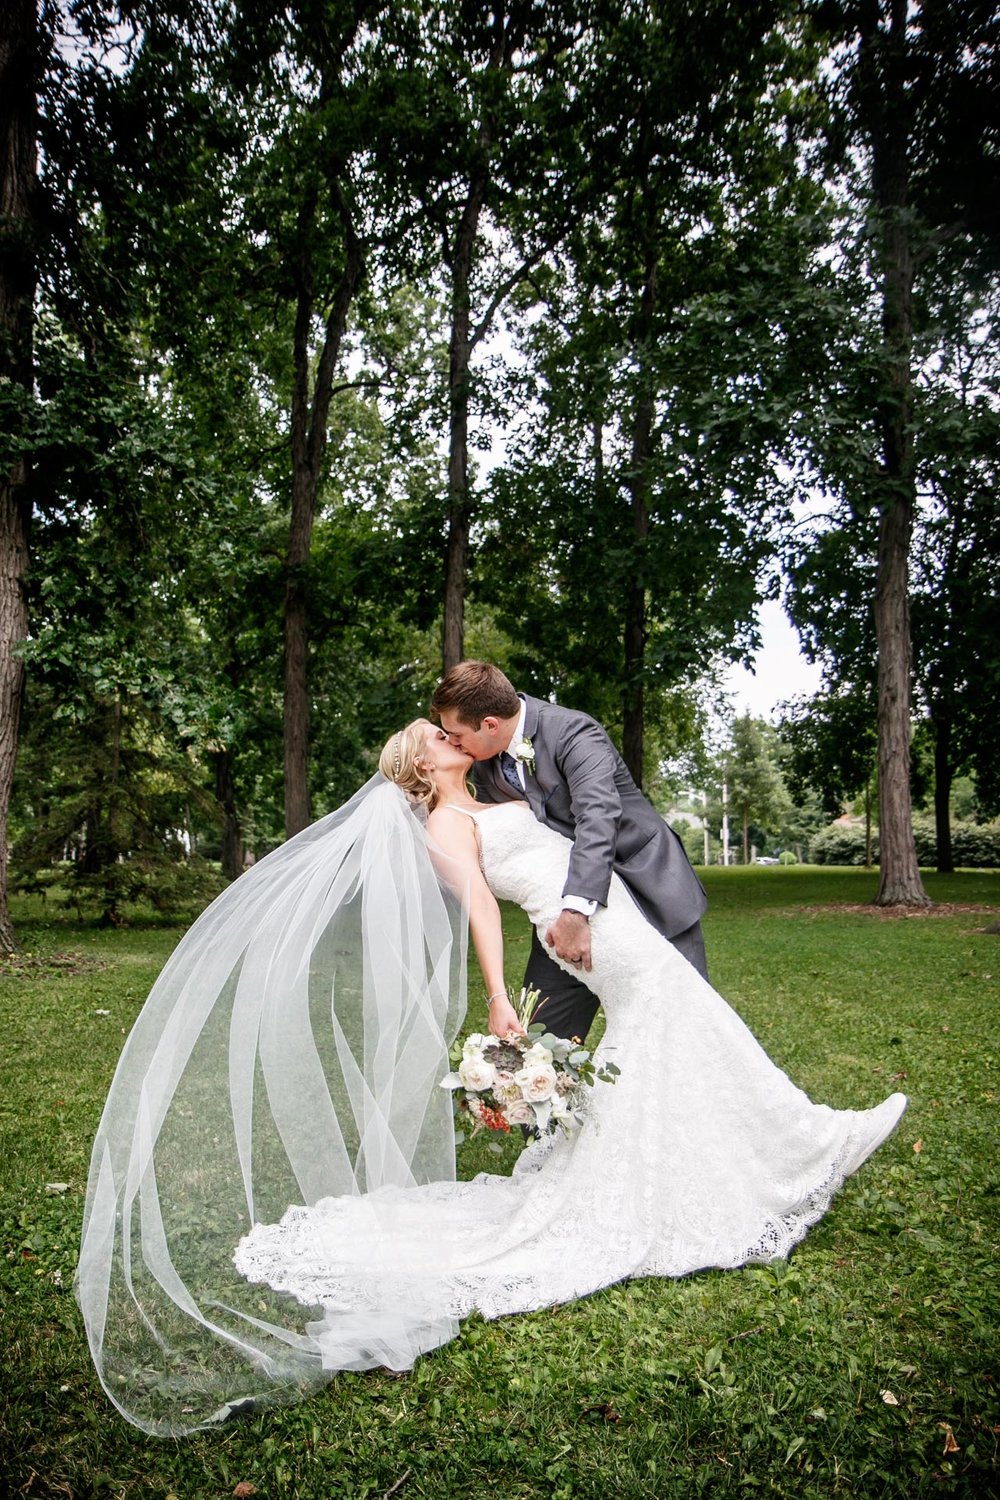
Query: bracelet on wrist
(500, 995)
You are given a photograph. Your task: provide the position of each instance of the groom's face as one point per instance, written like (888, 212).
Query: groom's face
(482, 743)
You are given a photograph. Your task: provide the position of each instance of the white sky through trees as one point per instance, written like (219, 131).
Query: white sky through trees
(781, 669)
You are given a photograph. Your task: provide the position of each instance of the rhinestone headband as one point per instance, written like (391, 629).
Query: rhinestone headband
(396, 755)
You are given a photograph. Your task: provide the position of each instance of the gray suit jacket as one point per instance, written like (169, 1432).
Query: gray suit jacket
(582, 787)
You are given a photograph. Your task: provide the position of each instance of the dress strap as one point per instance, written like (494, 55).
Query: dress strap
(463, 810)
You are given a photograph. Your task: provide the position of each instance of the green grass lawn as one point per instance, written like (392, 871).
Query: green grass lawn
(864, 1366)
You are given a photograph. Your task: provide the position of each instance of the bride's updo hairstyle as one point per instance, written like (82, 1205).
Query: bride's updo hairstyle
(399, 763)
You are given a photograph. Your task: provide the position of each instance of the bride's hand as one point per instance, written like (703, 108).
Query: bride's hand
(503, 1019)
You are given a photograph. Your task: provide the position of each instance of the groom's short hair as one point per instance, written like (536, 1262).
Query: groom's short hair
(472, 690)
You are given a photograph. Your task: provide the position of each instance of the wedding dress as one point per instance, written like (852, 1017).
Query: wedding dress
(290, 1053)
(702, 1154)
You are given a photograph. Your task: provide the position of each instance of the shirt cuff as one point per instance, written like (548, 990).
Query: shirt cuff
(580, 904)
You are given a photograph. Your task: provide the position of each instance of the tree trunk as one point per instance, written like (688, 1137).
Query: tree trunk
(308, 441)
(883, 61)
(295, 725)
(634, 708)
(943, 773)
(18, 165)
(899, 873)
(509, 25)
(746, 838)
(233, 849)
(459, 356)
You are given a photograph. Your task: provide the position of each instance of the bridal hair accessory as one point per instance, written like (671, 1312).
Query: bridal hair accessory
(396, 755)
(289, 1051)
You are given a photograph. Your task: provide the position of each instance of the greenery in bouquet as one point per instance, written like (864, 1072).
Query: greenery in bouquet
(535, 1081)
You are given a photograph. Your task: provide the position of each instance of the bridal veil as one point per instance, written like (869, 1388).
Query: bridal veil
(289, 1051)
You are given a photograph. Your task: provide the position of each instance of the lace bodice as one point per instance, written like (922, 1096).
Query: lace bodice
(524, 861)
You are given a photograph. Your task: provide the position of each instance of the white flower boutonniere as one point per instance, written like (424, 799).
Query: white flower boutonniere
(524, 753)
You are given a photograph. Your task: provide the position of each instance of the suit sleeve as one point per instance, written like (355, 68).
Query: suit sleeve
(586, 759)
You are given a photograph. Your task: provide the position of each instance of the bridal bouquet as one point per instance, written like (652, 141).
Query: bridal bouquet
(534, 1080)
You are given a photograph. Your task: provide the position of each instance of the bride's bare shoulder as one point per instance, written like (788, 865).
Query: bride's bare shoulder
(452, 822)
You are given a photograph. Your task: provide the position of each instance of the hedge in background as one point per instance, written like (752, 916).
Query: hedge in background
(975, 846)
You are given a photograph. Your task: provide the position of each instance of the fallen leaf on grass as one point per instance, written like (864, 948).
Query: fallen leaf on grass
(244, 1488)
(889, 1398)
(918, 1146)
(604, 1409)
(57, 1187)
(950, 1446)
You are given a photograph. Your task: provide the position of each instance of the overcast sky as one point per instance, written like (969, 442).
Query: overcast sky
(781, 670)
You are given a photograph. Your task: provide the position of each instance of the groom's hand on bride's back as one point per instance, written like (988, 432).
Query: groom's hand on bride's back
(569, 935)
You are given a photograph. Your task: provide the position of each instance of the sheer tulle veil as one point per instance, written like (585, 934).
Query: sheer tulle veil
(289, 1051)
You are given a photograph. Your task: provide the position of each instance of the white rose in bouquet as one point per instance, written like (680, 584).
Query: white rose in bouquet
(476, 1073)
(537, 1081)
(520, 1112)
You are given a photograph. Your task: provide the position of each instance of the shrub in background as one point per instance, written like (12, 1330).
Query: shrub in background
(975, 846)
(840, 844)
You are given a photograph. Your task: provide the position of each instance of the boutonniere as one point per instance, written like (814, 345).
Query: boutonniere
(525, 754)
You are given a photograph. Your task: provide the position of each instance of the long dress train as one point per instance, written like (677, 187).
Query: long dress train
(702, 1154)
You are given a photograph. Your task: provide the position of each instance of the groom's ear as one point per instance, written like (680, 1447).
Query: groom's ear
(490, 722)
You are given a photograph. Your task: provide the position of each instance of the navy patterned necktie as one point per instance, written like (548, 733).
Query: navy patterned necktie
(508, 766)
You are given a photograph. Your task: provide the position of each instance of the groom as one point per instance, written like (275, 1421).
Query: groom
(565, 766)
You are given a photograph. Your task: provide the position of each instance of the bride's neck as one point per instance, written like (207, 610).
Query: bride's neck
(451, 787)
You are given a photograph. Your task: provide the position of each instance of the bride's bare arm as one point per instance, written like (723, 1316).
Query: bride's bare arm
(455, 851)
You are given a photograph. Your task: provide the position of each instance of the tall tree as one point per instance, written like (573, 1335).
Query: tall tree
(19, 81)
(326, 191)
(883, 78)
(751, 766)
(956, 553)
(919, 83)
(499, 191)
(638, 499)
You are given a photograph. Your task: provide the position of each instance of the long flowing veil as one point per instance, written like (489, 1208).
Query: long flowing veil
(289, 1051)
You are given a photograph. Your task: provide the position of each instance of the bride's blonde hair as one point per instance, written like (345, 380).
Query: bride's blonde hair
(398, 763)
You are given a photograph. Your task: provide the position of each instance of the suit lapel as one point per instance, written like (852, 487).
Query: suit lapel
(532, 790)
(489, 776)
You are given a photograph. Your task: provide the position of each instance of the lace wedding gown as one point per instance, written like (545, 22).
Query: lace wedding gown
(702, 1154)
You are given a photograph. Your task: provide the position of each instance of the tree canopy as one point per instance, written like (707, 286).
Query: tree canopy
(340, 339)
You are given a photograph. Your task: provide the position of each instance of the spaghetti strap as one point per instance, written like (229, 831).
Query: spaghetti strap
(463, 810)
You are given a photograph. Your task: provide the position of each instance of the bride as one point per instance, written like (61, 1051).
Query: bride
(291, 1054)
